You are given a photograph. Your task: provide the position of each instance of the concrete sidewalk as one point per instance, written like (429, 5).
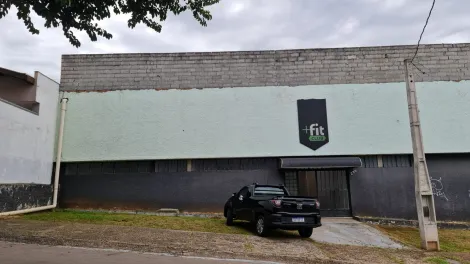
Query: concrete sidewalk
(347, 231)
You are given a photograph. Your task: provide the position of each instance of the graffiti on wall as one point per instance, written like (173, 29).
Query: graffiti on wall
(438, 188)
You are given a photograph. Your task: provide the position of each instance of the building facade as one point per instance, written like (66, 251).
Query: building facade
(28, 112)
(185, 130)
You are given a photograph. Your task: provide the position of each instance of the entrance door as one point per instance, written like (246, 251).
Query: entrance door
(308, 183)
(331, 188)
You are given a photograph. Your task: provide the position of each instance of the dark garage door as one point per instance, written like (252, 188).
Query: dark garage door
(331, 188)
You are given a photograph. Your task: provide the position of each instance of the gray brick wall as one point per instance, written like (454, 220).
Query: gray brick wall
(442, 62)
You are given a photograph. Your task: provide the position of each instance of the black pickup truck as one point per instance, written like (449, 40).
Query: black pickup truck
(271, 207)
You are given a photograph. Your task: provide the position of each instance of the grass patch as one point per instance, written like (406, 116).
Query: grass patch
(436, 260)
(248, 247)
(451, 240)
(396, 259)
(199, 224)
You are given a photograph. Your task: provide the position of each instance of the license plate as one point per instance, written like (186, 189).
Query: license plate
(298, 220)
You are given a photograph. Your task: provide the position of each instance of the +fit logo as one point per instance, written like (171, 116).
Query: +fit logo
(315, 132)
(313, 123)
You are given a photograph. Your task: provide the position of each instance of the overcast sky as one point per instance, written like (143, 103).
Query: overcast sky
(249, 25)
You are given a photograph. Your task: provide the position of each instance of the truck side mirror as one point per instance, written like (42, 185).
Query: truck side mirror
(233, 194)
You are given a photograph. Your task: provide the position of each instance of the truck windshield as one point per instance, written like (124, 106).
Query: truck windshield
(269, 191)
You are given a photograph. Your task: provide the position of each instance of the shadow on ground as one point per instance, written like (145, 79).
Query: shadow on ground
(275, 234)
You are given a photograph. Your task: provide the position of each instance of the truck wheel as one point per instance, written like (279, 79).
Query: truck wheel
(229, 221)
(306, 232)
(261, 228)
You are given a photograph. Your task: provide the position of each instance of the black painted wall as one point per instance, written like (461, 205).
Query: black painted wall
(21, 196)
(386, 192)
(450, 177)
(383, 192)
(164, 184)
(389, 192)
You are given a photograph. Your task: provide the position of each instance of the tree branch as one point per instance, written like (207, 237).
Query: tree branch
(82, 15)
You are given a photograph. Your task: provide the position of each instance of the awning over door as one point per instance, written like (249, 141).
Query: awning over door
(321, 163)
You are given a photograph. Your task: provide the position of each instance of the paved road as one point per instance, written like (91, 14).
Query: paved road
(12, 253)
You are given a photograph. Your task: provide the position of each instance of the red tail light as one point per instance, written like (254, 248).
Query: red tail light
(276, 203)
(317, 204)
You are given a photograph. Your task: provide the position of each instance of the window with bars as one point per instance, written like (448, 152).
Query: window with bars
(146, 166)
(291, 182)
(387, 161)
(234, 164)
(115, 167)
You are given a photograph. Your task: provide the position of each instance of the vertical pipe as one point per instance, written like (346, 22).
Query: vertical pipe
(63, 109)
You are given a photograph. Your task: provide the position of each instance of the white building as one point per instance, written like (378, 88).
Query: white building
(28, 113)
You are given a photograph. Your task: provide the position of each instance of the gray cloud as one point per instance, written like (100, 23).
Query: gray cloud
(249, 25)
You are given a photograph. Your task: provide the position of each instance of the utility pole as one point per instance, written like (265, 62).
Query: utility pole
(423, 190)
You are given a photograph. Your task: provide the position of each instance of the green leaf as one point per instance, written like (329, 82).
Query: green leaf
(82, 15)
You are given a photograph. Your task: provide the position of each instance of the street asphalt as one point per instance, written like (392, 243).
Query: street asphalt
(14, 253)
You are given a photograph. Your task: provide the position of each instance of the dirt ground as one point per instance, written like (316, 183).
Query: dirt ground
(281, 247)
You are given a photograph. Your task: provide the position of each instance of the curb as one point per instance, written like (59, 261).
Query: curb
(161, 212)
(410, 223)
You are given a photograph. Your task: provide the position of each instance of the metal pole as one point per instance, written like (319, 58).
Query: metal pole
(423, 190)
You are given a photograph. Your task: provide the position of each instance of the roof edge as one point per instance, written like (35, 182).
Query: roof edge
(18, 75)
(407, 46)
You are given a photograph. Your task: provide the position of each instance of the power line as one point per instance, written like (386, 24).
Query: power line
(426, 70)
(421, 71)
(424, 28)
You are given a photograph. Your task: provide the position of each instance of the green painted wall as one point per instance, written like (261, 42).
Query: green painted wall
(261, 121)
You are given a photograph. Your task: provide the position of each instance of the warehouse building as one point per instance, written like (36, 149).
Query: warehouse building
(185, 130)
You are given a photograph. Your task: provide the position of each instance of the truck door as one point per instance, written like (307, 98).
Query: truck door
(240, 204)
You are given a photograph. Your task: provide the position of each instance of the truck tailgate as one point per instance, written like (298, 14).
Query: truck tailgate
(299, 204)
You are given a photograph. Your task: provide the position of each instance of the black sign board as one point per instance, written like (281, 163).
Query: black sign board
(313, 123)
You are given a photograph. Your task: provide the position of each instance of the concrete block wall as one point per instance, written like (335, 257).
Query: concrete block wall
(442, 62)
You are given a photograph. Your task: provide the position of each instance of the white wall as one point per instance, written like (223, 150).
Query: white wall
(261, 121)
(27, 139)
